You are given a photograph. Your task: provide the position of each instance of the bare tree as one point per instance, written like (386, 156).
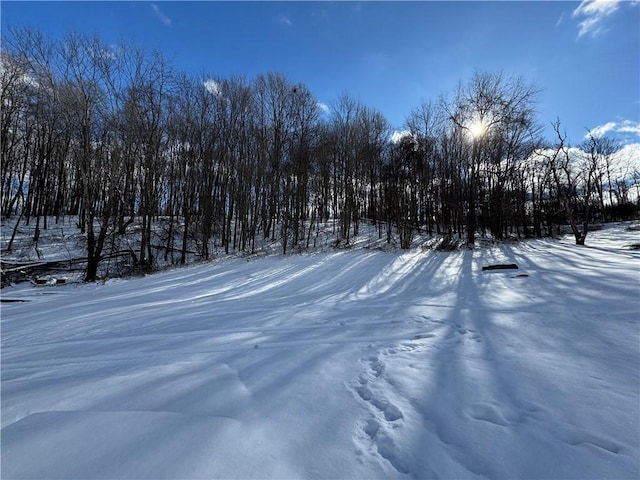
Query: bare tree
(575, 176)
(598, 155)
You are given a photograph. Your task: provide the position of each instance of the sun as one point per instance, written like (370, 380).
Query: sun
(477, 128)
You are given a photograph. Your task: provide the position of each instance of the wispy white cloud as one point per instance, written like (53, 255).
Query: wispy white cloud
(324, 108)
(283, 19)
(161, 15)
(592, 14)
(629, 126)
(212, 87)
(601, 130)
(398, 135)
(626, 126)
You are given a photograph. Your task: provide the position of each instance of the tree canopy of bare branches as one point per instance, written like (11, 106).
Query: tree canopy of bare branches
(116, 136)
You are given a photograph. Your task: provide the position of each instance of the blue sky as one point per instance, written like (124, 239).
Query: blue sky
(584, 56)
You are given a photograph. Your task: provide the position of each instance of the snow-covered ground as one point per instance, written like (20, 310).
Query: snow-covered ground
(344, 364)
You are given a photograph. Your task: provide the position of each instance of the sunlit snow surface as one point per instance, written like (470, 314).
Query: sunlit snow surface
(352, 364)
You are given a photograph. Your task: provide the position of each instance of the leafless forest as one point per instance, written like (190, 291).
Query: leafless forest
(114, 135)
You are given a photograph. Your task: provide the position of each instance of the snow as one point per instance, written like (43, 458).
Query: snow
(345, 364)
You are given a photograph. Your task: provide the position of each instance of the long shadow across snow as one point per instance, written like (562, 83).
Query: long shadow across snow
(499, 387)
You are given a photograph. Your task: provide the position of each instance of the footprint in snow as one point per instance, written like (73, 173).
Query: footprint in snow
(390, 452)
(390, 411)
(377, 368)
(380, 442)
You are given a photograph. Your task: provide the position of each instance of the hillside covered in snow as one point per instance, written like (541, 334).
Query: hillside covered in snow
(339, 364)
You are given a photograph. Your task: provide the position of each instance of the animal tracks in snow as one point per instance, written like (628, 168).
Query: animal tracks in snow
(380, 431)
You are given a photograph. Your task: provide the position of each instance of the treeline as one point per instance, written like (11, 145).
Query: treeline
(117, 136)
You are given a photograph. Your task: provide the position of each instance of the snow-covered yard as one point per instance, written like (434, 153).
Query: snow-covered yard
(344, 364)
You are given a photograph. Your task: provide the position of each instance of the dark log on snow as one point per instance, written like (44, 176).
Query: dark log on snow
(503, 266)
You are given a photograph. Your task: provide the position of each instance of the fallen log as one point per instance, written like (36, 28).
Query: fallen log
(501, 266)
(9, 267)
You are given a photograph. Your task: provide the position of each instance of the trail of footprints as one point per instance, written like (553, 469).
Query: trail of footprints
(376, 430)
(383, 417)
(383, 422)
